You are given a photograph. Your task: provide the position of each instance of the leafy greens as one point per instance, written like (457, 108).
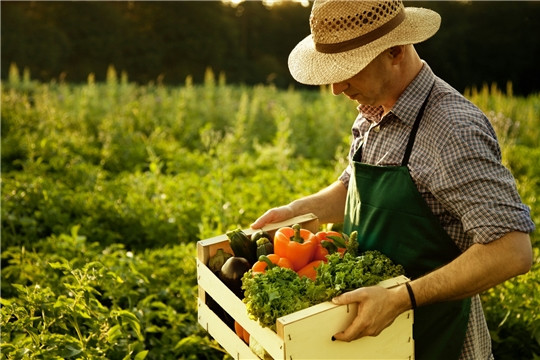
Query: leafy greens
(280, 291)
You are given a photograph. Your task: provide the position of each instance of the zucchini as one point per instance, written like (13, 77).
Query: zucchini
(242, 245)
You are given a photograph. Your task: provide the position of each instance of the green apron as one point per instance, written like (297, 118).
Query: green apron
(390, 215)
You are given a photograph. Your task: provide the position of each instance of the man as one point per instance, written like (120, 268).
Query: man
(425, 184)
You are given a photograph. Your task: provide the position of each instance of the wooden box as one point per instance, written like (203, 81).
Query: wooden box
(305, 334)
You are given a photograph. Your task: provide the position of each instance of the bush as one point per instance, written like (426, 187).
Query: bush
(71, 299)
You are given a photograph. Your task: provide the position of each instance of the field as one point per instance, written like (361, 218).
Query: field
(106, 188)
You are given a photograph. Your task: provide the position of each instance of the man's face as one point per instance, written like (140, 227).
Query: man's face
(368, 87)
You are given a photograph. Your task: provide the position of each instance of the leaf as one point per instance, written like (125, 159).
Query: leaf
(141, 355)
(71, 351)
(5, 302)
(60, 302)
(59, 266)
(133, 321)
(114, 333)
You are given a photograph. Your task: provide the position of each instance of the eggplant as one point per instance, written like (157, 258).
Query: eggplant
(231, 274)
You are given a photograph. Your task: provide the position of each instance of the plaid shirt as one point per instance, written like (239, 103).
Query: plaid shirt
(456, 166)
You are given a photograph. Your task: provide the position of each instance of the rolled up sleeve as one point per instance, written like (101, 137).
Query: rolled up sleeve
(471, 183)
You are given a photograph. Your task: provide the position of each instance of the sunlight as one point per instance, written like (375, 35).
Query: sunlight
(268, 3)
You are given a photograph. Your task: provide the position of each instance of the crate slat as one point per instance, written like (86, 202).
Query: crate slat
(223, 334)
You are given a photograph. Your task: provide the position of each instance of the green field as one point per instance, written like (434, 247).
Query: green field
(106, 187)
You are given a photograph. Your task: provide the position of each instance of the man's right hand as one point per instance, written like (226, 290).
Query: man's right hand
(274, 215)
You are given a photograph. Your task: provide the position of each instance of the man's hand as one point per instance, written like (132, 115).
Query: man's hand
(273, 215)
(377, 309)
(477, 269)
(328, 205)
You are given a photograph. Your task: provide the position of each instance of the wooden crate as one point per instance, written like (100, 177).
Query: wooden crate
(305, 334)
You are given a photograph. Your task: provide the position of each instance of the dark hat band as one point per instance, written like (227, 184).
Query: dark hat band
(363, 39)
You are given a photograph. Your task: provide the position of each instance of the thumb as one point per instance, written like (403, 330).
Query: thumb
(343, 299)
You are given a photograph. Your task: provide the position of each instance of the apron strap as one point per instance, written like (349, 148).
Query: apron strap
(414, 130)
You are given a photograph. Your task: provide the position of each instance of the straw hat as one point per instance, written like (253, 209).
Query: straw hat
(347, 35)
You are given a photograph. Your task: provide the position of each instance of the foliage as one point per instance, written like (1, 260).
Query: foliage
(342, 274)
(106, 187)
(73, 299)
(128, 163)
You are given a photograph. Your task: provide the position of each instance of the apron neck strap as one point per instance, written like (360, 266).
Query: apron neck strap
(414, 130)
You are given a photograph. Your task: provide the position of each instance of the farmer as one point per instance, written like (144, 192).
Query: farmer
(425, 184)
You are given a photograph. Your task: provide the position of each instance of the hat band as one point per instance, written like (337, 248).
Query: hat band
(362, 39)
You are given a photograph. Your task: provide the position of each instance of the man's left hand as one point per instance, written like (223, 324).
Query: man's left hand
(378, 307)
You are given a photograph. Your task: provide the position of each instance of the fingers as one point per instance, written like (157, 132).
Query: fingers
(345, 298)
(373, 314)
(357, 328)
(273, 215)
(360, 327)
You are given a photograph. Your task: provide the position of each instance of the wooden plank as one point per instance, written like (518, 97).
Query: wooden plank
(224, 335)
(207, 248)
(310, 338)
(301, 342)
(210, 283)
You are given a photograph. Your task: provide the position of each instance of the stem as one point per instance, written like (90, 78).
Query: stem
(297, 237)
(338, 240)
(78, 330)
(267, 260)
(330, 246)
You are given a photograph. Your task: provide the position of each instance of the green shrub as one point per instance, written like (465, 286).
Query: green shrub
(71, 299)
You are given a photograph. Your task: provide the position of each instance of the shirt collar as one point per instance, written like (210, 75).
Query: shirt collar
(407, 106)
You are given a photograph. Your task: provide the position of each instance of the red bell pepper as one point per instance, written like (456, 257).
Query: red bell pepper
(328, 240)
(310, 270)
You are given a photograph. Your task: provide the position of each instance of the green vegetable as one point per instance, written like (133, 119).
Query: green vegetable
(329, 246)
(342, 274)
(216, 262)
(277, 292)
(242, 245)
(259, 234)
(351, 243)
(338, 241)
(264, 247)
(280, 291)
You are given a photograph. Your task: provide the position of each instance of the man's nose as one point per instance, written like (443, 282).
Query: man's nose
(338, 88)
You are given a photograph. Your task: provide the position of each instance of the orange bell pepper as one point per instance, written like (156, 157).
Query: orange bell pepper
(310, 270)
(275, 260)
(321, 250)
(241, 332)
(295, 244)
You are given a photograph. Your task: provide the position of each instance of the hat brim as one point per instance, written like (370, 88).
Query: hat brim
(310, 67)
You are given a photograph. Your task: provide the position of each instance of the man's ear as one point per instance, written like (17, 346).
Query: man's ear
(397, 52)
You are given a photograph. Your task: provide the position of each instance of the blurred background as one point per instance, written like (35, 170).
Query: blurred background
(480, 42)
